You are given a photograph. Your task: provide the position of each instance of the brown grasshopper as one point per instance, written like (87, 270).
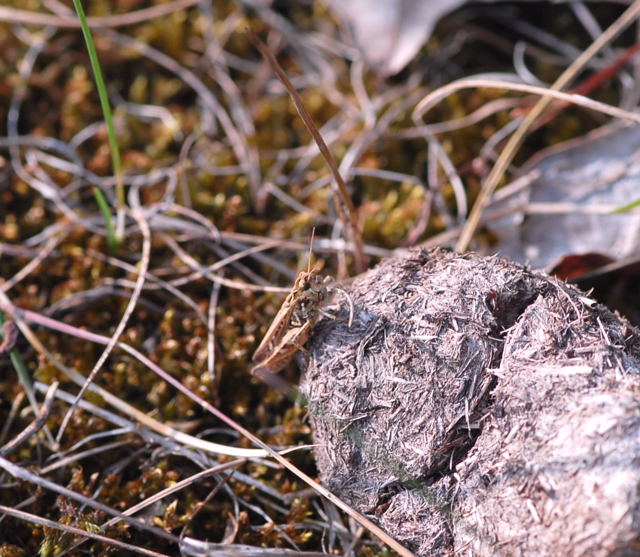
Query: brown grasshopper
(293, 323)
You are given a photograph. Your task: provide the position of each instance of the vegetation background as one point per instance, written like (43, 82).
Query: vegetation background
(224, 186)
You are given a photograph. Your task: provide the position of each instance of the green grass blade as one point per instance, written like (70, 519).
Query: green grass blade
(113, 144)
(108, 221)
(18, 364)
(626, 208)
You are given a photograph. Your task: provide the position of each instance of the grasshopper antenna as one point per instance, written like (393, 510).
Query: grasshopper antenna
(313, 233)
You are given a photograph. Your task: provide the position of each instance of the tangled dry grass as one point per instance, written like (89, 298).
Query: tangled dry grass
(174, 445)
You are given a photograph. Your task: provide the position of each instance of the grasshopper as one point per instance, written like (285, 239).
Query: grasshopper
(293, 323)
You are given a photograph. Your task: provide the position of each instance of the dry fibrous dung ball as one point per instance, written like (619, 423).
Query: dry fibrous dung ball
(474, 406)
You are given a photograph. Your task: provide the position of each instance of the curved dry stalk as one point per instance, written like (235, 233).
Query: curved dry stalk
(16, 403)
(438, 154)
(194, 215)
(344, 206)
(47, 189)
(42, 254)
(491, 81)
(349, 302)
(35, 426)
(486, 110)
(211, 332)
(14, 15)
(113, 341)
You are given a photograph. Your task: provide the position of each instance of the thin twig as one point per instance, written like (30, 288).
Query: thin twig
(144, 265)
(344, 206)
(34, 426)
(14, 15)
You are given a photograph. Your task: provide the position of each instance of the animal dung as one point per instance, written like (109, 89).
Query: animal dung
(477, 407)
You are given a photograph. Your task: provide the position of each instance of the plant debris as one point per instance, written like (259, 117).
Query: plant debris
(477, 406)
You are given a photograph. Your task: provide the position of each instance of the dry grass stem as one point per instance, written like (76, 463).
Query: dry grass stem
(343, 204)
